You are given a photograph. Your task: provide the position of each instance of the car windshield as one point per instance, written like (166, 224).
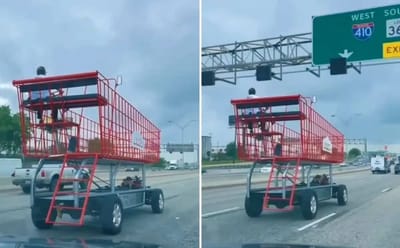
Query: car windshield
(97, 99)
(199, 123)
(299, 126)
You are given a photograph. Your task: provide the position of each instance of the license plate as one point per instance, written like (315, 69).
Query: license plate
(27, 181)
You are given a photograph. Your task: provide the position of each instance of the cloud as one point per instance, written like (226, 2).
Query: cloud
(364, 105)
(4, 101)
(7, 86)
(152, 44)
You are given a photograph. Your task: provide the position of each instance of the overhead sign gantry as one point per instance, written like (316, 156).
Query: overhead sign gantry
(227, 62)
(339, 41)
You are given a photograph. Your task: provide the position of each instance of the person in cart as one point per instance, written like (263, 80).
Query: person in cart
(252, 93)
(38, 95)
(131, 183)
(255, 111)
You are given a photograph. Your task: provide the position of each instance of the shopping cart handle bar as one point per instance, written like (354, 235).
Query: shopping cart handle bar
(266, 102)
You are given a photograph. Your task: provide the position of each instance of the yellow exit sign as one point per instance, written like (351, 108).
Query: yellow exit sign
(391, 50)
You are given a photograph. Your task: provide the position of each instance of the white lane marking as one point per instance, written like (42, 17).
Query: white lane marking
(220, 212)
(315, 222)
(386, 190)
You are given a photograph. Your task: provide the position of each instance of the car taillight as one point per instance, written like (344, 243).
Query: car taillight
(43, 174)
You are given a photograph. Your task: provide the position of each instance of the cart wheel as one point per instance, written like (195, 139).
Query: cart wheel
(309, 204)
(39, 215)
(253, 206)
(342, 195)
(26, 189)
(157, 201)
(111, 216)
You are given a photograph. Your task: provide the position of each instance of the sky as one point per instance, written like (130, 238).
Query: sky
(153, 44)
(364, 105)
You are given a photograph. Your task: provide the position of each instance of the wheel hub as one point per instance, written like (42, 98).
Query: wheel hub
(313, 205)
(161, 202)
(345, 195)
(117, 215)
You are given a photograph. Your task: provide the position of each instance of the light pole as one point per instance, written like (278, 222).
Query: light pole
(182, 127)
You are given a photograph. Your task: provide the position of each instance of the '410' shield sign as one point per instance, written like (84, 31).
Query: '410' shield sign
(363, 31)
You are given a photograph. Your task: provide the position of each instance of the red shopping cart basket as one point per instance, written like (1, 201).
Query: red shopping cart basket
(286, 127)
(82, 113)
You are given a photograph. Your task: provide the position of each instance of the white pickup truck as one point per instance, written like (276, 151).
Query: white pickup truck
(47, 177)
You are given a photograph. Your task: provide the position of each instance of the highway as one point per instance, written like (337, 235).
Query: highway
(369, 220)
(177, 226)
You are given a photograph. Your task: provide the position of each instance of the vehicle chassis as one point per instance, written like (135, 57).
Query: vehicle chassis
(99, 199)
(322, 192)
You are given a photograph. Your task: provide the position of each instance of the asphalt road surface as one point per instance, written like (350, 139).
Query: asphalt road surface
(370, 219)
(177, 226)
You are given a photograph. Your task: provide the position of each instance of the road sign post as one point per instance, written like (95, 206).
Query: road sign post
(180, 148)
(357, 35)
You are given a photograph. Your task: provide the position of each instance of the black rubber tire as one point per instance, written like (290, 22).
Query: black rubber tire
(53, 184)
(38, 216)
(26, 189)
(253, 206)
(107, 216)
(342, 195)
(157, 201)
(308, 198)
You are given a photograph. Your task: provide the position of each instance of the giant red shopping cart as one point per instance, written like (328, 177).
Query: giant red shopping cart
(286, 133)
(79, 121)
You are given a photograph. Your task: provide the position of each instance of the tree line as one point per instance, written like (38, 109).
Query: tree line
(230, 154)
(10, 133)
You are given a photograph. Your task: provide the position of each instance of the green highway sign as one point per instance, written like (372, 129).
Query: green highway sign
(357, 35)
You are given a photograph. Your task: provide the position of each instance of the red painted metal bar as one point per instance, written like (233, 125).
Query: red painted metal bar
(116, 130)
(296, 130)
(60, 78)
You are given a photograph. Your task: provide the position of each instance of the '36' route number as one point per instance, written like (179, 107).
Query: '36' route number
(393, 28)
